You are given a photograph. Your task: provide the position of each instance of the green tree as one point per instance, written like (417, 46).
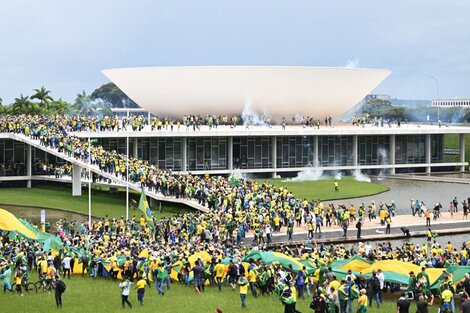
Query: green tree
(59, 106)
(22, 105)
(113, 97)
(383, 108)
(43, 95)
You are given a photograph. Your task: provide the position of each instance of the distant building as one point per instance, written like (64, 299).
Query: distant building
(451, 103)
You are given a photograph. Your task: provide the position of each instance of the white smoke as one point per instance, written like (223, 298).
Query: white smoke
(250, 117)
(354, 63)
(310, 173)
(383, 160)
(238, 174)
(338, 176)
(359, 176)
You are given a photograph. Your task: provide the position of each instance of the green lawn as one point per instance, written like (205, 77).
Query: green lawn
(60, 197)
(324, 189)
(452, 141)
(103, 295)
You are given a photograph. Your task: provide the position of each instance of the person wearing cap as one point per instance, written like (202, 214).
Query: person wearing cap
(362, 301)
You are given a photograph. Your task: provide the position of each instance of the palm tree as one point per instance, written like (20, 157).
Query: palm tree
(22, 105)
(83, 104)
(42, 94)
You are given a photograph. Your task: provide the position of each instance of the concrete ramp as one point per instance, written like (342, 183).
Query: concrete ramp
(95, 169)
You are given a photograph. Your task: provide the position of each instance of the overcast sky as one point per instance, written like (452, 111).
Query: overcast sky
(64, 44)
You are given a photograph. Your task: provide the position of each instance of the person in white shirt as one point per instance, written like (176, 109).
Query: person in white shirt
(125, 290)
(66, 265)
(267, 230)
(381, 278)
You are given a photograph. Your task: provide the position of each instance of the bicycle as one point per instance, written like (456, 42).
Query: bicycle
(28, 287)
(43, 285)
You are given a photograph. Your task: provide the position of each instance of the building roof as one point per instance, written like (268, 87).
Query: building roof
(277, 91)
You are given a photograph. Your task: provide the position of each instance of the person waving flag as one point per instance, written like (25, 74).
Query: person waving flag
(145, 208)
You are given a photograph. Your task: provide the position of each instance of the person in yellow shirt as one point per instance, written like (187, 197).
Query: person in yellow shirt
(447, 296)
(18, 280)
(243, 284)
(362, 302)
(140, 286)
(253, 277)
(219, 270)
(43, 266)
(449, 247)
(388, 221)
(50, 275)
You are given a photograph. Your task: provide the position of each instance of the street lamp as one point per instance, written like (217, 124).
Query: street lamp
(90, 180)
(437, 86)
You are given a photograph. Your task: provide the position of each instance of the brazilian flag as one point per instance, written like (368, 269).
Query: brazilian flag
(234, 181)
(145, 208)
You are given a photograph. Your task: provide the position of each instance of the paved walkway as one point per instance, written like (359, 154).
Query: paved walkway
(373, 228)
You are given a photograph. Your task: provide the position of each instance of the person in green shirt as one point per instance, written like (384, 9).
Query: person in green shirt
(161, 279)
(287, 298)
(343, 295)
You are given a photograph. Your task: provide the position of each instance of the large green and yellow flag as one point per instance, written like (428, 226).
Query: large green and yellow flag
(145, 208)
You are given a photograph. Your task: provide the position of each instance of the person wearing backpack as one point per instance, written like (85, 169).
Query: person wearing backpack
(318, 304)
(374, 289)
(59, 288)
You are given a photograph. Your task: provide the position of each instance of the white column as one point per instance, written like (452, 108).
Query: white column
(315, 152)
(230, 153)
(462, 151)
(354, 150)
(135, 148)
(427, 151)
(274, 155)
(76, 180)
(391, 154)
(28, 165)
(184, 154)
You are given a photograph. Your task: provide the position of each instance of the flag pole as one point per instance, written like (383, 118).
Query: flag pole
(127, 176)
(89, 182)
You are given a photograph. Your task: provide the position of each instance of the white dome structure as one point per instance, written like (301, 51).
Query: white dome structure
(276, 91)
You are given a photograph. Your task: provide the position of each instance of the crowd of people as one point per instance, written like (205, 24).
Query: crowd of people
(235, 207)
(113, 247)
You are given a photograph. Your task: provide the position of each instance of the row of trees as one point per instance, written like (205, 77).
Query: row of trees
(97, 104)
(385, 109)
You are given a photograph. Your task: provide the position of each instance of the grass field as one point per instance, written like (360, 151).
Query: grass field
(60, 197)
(100, 295)
(452, 141)
(324, 189)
